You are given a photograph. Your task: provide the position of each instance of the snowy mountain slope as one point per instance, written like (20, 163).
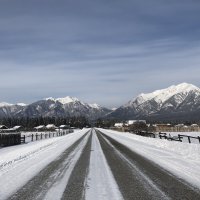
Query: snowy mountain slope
(50, 107)
(173, 103)
(7, 110)
(175, 100)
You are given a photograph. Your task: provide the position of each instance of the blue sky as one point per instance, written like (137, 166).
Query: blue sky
(103, 51)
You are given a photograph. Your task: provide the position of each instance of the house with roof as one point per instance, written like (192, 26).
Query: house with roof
(64, 127)
(2, 127)
(51, 127)
(40, 128)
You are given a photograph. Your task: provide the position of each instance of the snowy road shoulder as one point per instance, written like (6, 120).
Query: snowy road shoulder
(181, 159)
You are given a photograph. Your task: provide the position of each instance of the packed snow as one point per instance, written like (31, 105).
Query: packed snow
(181, 159)
(100, 182)
(18, 164)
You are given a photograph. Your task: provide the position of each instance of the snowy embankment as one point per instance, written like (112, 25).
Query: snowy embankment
(18, 164)
(181, 159)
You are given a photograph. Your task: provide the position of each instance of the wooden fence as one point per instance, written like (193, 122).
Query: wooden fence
(145, 134)
(9, 139)
(45, 135)
(178, 138)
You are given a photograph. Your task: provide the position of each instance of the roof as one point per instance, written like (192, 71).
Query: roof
(16, 127)
(195, 125)
(3, 127)
(50, 126)
(40, 127)
(130, 122)
(118, 124)
(64, 126)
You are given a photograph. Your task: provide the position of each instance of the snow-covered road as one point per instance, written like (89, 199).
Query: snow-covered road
(97, 164)
(18, 164)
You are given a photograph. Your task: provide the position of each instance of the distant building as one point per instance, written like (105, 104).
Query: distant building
(40, 128)
(131, 122)
(17, 128)
(64, 127)
(3, 127)
(51, 127)
(118, 125)
(163, 127)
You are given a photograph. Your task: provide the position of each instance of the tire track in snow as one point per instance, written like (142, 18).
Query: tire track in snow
(55, 175)
(75, 189)
(138, 178)
(100, 182)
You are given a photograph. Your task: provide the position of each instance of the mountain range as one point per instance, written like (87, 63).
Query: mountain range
(50, 107)
(177, 102)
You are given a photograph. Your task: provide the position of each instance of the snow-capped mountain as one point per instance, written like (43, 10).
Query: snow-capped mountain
(9, 110)
(175, 102)
(51, 107)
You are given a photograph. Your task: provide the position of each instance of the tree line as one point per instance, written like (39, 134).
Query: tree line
(31, 122)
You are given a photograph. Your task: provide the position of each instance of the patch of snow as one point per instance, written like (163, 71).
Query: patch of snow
(100, 181)
(49, 98)
(21, 104)
(18, 164)
(181, 159)
(4, 104)
(96, 106)
(67, 100)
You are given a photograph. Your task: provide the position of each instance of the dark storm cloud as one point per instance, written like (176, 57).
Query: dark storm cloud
(105, 51)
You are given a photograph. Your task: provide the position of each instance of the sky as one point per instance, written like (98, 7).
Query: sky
(103, 51)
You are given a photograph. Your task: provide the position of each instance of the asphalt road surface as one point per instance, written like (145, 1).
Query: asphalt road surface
(135, 176)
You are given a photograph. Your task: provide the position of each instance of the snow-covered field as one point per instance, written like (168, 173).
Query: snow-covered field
(185, 139)
(20, 163)
(181, 159)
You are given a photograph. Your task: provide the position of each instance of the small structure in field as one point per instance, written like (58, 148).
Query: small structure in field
(131, 122)
(2, 127)
(17, 128)
(64, 127)
(118, 125)
(51, 127)
(40, 128)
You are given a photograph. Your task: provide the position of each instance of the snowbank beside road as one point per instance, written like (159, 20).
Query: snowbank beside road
(18, 164)
(181, 159)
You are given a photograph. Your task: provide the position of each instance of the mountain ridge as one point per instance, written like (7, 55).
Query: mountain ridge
(177, 101)
(174, 100)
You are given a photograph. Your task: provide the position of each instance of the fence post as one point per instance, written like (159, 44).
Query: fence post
(179, 137)
(32, 137)
(41, 136)
(189, 139)
(36, 136)
(199, 139)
